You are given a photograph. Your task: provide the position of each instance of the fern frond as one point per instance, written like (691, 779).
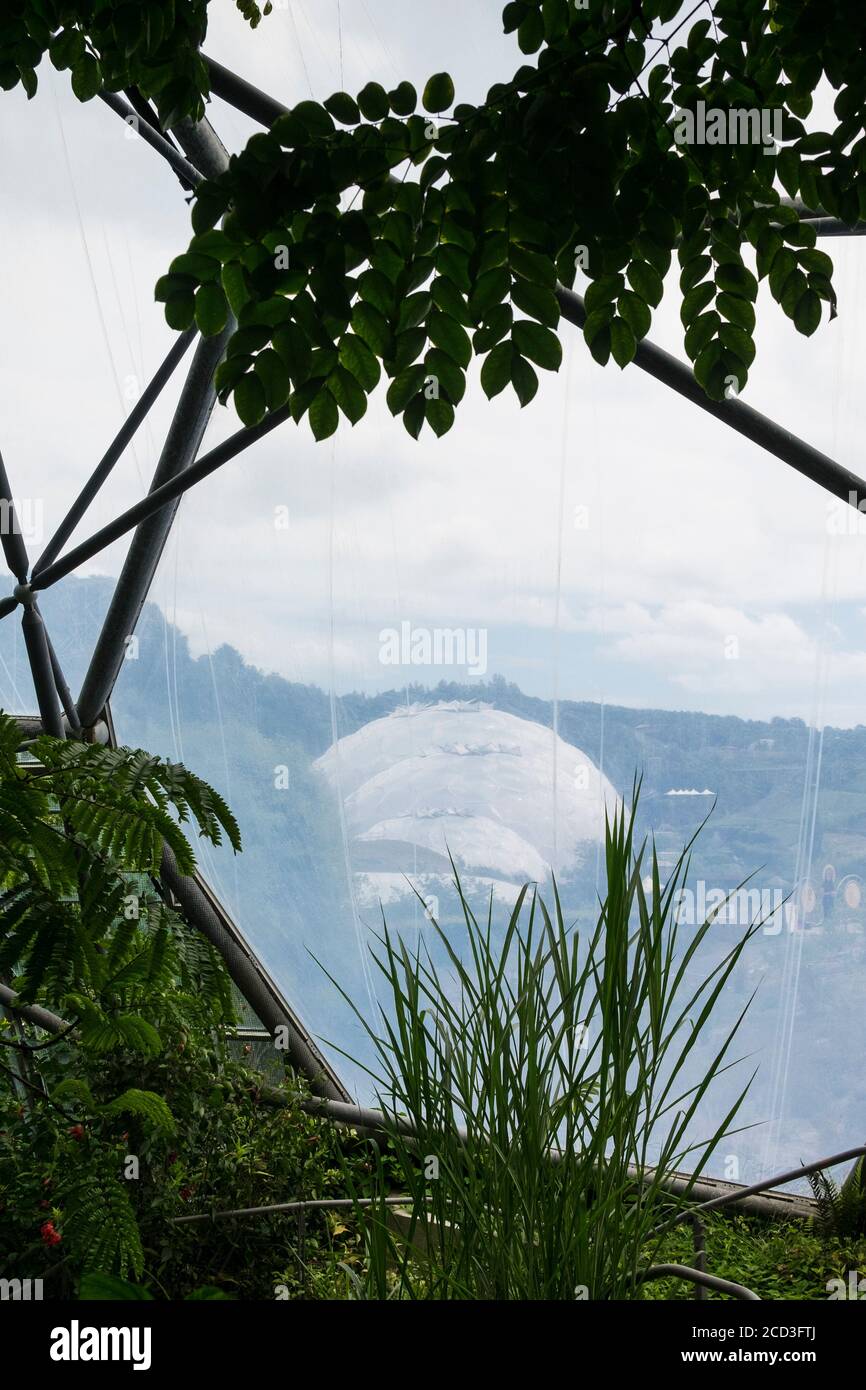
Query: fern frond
(74, 1088)
(99, 1224)
(146, 1105)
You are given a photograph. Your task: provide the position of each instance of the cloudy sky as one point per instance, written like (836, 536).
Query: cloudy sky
(612, 541)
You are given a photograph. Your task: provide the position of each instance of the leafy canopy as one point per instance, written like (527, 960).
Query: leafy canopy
(337, 271)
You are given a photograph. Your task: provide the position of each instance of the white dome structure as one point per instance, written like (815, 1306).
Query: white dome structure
(506, 797)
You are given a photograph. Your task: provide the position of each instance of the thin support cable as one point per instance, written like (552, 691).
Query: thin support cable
(114, 451)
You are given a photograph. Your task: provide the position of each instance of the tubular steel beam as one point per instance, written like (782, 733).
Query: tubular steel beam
(14, 549)
(181, 166)
(36, 641)
(740, 417)
(61, 687)
(31, 1013)
(243, 95)
(114, 451)
(160, 496)
(261, 992)
(699, 1277)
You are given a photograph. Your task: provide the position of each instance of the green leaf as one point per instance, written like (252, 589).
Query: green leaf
(446, 296)
(314, 118)
(533, 266)
(817, 262)
(599, 342)
(513, 15)
(348, 394)
(452, 262)
(413, 310)
(357, 358)
(404, 387)
(490, 290)
(293, 346)
(738, 280)
(701, 331)
(524, 379)
(67, 48)
(696, 301)
(249, 399)
(646, 282)
(343, 108)
(324, 417)
(536, 301)
(498, 323)
(438, 94)
(635, 312)
(603, 291)
(180, 312)
(694, 271)
(807, 315)
(377, 289)
(373, 327)
(414, 415)
(738, 341)
(738, 311)
(374, 106)
(229, 372)
(449, 376)
(530, 33)
(211, 310)
(403, 99)
(407, 347)
(451, 336)
(496, 370)
(439, 415)
(86, 77)
(272, 373)
(622, 342)
(234, 282)
(538, 343)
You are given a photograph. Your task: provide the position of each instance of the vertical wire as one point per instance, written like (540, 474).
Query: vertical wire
(363, 950)
(789, 986)
(563, 455)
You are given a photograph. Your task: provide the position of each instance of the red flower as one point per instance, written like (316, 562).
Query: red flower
(185, 1194)
(44, 1206)
(76, 1132)
(172, 1158)
(50, 1236)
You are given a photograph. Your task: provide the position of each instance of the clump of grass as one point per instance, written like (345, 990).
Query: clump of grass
(544, 1079)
